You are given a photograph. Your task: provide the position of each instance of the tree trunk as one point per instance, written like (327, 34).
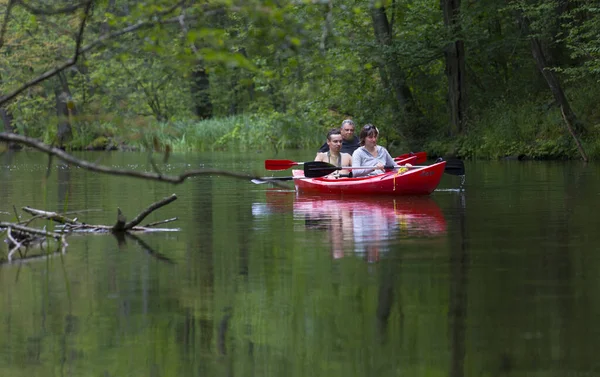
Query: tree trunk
(455, 67)
(571, 122)
(397, 80)
(64, 109)
(199, 89)
(6, 119)
(391, 73)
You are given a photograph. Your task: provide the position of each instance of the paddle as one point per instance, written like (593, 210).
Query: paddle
(262, 180)
(286, 164)
(315, 169)
(280, 164)
(454, 167)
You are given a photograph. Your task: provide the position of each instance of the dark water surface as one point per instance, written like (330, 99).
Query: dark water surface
(501, 280)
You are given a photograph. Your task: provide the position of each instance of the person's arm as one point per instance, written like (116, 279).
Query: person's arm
(346, 161)
(359, 159)
(389, 161)
(319, 156)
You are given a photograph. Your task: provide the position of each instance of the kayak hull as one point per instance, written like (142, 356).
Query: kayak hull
(421, 180)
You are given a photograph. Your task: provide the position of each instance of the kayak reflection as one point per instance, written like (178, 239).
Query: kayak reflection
(366, 226)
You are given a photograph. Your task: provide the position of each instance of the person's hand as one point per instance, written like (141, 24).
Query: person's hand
(408, 165)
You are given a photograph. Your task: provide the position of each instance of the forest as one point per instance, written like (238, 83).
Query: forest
(480, 79)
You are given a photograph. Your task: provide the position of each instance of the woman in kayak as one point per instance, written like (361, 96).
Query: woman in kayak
(371, 154)
(333, 155)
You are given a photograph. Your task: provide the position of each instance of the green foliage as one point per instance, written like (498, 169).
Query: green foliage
(279, 75)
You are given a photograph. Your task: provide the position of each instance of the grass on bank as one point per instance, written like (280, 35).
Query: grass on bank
(524, 130)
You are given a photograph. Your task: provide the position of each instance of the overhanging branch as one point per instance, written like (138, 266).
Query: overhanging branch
(62, 155)
(95, 44)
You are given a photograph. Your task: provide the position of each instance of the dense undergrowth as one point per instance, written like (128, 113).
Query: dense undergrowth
(522, 130)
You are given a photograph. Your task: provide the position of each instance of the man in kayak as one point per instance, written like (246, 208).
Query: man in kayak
(349, 141)
(333, 155)
(371, 154)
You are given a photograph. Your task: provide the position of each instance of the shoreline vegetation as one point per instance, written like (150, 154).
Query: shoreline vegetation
(515, 134)
(474, 80)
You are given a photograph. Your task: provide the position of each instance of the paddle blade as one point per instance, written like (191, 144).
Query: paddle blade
(454, 167)
(279, 164)
(316, 169)
(259, 181)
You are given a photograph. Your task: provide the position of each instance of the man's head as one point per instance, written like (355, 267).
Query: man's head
(347, 129)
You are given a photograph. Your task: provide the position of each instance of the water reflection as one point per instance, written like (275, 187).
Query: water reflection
(362, 226)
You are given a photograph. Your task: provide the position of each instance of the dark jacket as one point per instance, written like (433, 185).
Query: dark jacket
(347, 146)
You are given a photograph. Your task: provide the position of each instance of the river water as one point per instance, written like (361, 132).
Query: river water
(500, 279)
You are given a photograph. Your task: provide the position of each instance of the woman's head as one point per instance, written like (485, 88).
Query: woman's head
(368, 130)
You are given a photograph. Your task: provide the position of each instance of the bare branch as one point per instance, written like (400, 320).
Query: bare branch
(185, 30)
(100, 42)
(30, 230)
(11, 137)
(71, 62)
(150, 225)
(86, 13)
(54, 216)
(11, 3)
(154, 206)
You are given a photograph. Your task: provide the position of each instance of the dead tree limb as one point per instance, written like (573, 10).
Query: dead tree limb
(150, 225)
(19, 236)
(73, 225)
(64, 156)
(154, 206)
(54, 216)
(29, 230)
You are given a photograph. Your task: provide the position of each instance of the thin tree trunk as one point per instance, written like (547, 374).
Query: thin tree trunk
(455, 67)
(555, 86)
(200, 84)
(397, 79)
(64, 109)
(392, 74)
(6, 119)
(199, 89)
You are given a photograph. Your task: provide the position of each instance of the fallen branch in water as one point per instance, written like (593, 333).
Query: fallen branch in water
(69, 225)
(20, 237)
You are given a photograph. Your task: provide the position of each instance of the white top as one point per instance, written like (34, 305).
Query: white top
(361, 157)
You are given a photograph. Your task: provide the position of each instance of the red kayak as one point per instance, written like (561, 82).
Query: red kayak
(418, 180)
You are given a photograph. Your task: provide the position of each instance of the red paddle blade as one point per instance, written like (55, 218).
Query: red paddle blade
(280, 164)
(421, 157)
